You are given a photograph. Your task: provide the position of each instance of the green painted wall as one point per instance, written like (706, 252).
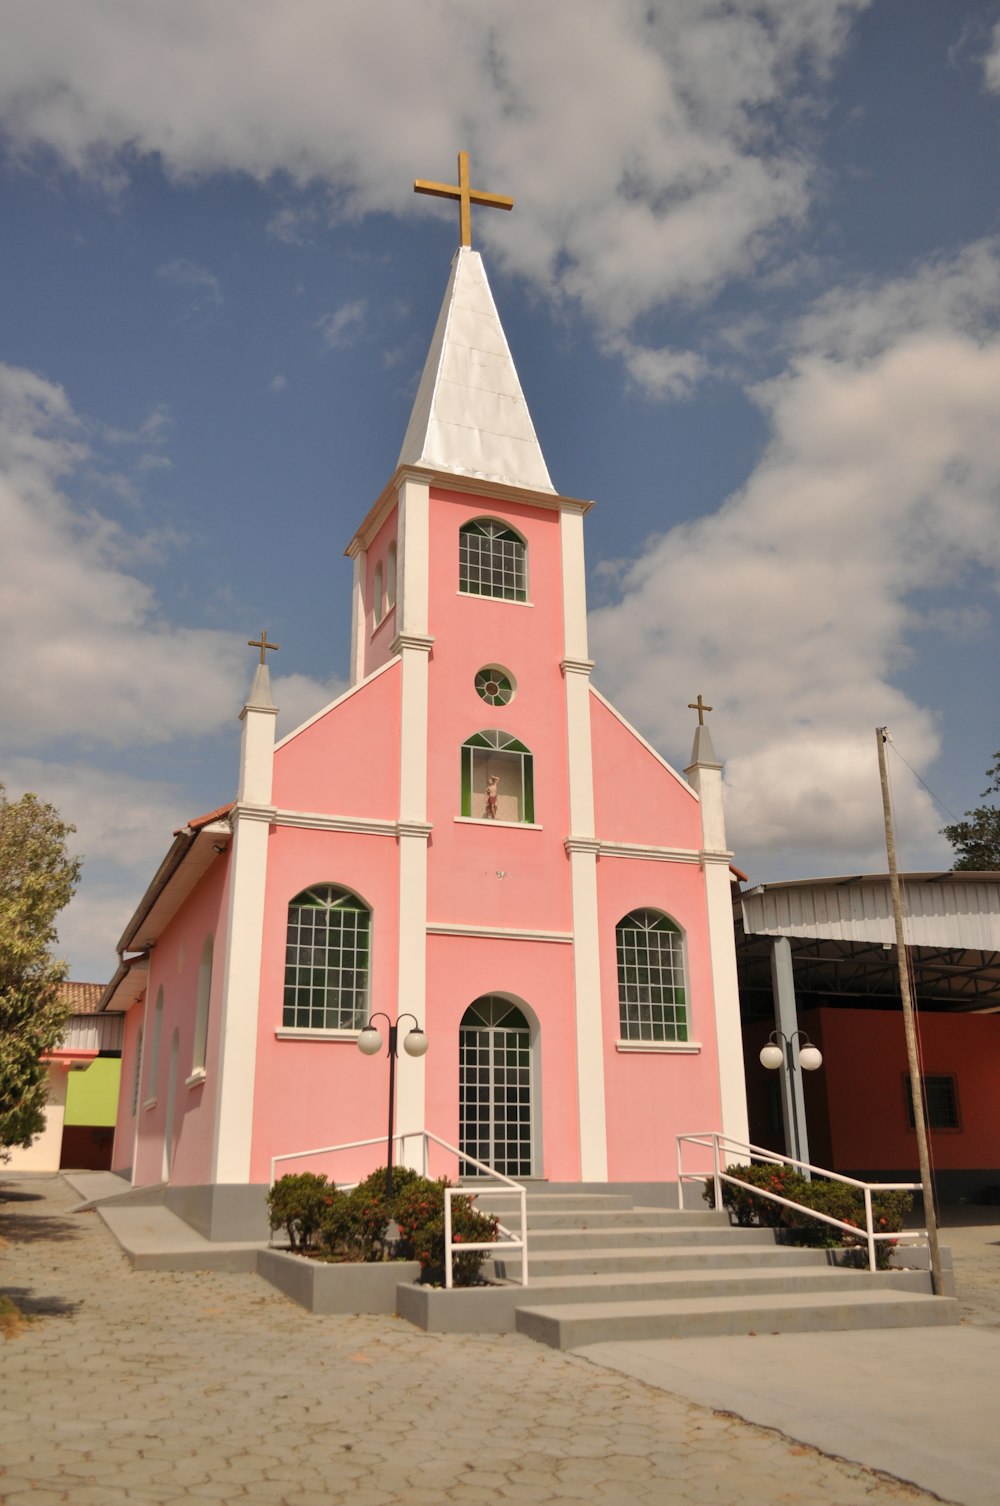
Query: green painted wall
(92, 1095)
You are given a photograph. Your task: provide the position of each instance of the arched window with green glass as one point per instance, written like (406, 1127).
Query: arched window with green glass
(494, 755)
(652, 989)
(492, 561)
(327, 960)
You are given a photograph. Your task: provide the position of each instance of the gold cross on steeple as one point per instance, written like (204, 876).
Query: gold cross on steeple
(263, 645)
(465, 195)
(701, 708)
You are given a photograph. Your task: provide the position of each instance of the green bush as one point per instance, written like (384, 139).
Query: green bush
(419, 1212)
(297, 1203)
(836, 1199)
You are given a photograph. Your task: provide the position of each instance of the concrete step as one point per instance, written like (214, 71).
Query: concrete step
(570, 1325)
(610, 1218)
(552, 1200)
(545, 1263)
(628, 1234)
(649, 1286)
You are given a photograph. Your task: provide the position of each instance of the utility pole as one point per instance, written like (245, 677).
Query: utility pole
(916, 1082)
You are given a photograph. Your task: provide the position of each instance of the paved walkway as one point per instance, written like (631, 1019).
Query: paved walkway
(173, 1388)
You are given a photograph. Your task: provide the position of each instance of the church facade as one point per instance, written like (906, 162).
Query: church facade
(471, 839)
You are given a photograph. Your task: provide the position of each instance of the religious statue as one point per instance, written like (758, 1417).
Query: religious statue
(492, 787)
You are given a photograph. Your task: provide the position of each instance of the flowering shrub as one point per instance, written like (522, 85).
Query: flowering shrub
(836, 1199)
(358, 1225)
(419, 1213)
(297, 1203)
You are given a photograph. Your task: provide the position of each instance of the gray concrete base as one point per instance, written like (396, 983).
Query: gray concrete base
(348, 1287)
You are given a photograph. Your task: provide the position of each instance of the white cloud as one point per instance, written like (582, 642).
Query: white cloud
(343, 327)
(279, 383)
(991, 61)
(794, 606)
(201, 288)
(662, 373)
(85, 650)
(654, 151)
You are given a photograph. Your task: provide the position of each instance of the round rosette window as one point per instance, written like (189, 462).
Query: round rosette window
(494, 686)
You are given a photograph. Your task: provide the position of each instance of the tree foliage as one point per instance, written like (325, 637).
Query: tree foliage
(976, 838)
(37, 880)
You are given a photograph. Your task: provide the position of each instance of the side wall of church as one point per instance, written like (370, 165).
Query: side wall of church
(177, 1103)
(346, 762)
(655, 1092)
(126, 1120)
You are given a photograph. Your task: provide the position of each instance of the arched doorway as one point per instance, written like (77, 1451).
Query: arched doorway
(497, 1123)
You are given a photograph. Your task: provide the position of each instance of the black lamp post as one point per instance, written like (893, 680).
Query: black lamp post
(810, 1058)
(415, 1043)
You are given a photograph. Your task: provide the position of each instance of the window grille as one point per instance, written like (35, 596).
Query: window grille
(652, 997)
(327, 960)
(491, 561)
(940, 1102)
(494, 1049)
(494, 686)
(493, 754)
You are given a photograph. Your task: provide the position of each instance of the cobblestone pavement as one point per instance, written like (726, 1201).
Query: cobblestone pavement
(169, 1388)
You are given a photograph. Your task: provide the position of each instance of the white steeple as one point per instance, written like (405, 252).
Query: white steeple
(470, 417)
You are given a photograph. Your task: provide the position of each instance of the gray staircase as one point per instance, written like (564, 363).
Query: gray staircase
(601, 1269)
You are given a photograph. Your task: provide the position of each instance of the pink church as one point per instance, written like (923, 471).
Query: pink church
(471, 835)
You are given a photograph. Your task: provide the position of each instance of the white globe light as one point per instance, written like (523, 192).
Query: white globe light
(810, 1057)
(416, 1043)
(771, 1057)
(370, 1041)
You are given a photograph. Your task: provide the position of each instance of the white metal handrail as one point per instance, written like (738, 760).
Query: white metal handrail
(509, 1188)
(722, 1147)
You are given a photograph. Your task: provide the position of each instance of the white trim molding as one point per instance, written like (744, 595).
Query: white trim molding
(661, 1048)
(576, 666)
(422, 641)
(483, 821)
(582, 844)
(316, 821)
(306, 1033)
(497, 933)
(649, 853)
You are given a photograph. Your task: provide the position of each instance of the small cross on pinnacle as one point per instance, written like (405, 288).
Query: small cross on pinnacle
(263, 645)
(465, 195)
(701, 708)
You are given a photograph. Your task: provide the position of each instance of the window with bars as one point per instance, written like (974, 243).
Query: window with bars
(496, 755)
(492, 561)
(327, 960)
(652, 994)
(940, 1101)
(495, 1087)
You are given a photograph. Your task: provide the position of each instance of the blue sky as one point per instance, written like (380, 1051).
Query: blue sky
(751, 285)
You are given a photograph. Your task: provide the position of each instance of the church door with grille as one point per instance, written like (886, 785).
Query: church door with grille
(495, 1087)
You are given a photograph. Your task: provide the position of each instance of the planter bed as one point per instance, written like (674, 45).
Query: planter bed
(324, 1286)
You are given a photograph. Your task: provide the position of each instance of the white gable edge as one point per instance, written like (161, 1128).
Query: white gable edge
(353, 690)
(687, 788)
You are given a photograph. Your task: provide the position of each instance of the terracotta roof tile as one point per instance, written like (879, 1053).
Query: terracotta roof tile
(82, 998)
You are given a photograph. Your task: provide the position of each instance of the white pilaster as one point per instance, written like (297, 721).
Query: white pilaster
(574, 583)
(413, 556)
(589, 1024)
(705, 775)
(251, 817)
(413, 644)
(582, 847)
(240, 995)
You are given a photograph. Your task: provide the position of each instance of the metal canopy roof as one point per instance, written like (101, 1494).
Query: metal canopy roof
(843, 941)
